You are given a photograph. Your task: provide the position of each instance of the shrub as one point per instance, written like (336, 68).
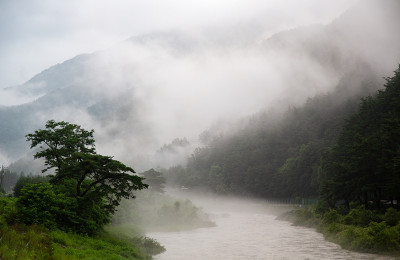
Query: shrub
(39, 204)
(8, 210)
(361, 217)
(332, 228)
(322, 207)
(22, 181)
(384, 237)
(331, 217)
(356, 238)
(149, 245)
(392, 217)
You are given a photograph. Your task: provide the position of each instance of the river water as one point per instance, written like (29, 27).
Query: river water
(247, 230)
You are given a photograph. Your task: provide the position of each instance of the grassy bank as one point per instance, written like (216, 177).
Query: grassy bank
(21, 241)
(357, 229)
(35, 242)
(122, 239)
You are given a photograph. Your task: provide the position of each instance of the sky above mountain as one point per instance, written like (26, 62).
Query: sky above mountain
(38, 34)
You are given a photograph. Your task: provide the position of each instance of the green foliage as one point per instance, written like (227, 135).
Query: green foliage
(35, 242)
(361, 217)
(87, 186)
(103, 246)
(355, 238)
(38, 204)
(8, 210)
(363, 164)
(43, 204)
(384, 237)
(322, 207)
(149, 245)
(361, 229)
(331, 217)
(275, 155)
(359, 173)
(392, 217)
(21, 242)
(24, 180)
(61, 140)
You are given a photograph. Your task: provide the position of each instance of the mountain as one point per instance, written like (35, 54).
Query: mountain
(149, 89)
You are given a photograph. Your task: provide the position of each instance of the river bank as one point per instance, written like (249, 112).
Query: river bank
(248, 229)
(358, 230)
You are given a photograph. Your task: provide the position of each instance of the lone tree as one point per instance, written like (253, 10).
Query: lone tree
(70, 150)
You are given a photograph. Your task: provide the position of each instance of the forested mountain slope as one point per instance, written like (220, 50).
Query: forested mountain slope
(270, 157)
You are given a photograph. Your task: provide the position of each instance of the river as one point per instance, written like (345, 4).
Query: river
(249, 230)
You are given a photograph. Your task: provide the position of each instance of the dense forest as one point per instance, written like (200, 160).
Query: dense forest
(300, 155)
(364, 164)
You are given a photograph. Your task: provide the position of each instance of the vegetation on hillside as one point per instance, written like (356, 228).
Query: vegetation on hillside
(21, 241)
(364, 165)
(340, 150)
(272, 156)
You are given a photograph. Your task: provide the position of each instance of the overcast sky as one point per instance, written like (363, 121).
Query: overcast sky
(35, 34)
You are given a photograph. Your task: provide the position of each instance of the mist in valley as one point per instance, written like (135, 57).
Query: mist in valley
(233, 103)
(198, 74)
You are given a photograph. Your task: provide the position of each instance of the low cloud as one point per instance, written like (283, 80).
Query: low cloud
(36, 35)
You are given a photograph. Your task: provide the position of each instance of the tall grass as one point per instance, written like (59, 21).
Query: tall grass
(19, 241)
(104, 246)
(35, 242)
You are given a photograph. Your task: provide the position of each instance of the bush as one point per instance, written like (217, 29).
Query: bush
(361, 217)
(149, 245)
(355, 238)
(331, 217)
(8, 210)
(384, 237)
(39, 204)
(392, 217)
(322, 207)
(334, 228)
(22, 181)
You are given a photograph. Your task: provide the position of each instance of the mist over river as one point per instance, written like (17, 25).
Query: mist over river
(249, 230)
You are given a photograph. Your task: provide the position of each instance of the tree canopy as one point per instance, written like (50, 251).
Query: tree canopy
(274, 155)
(79, 171)
(364, 163)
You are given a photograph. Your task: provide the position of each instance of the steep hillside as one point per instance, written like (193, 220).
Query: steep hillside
(270, 157)
(152, 88)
